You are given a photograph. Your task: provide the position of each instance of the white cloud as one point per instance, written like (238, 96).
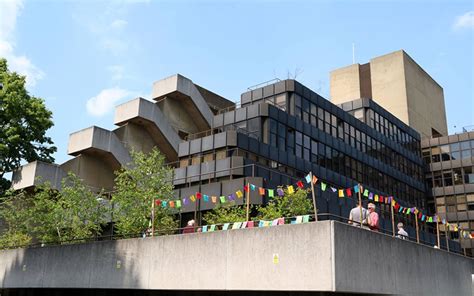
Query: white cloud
(106, 100)
(464, 21)
(117, 71)
(9, 12)
(118, 24)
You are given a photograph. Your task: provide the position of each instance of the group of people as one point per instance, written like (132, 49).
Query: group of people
(369, 219)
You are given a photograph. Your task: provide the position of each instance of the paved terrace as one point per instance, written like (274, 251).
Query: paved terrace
(324, 256)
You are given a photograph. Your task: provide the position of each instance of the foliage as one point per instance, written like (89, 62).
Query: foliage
(51, 216)
(137, 186)
(225, 214)
(71, 214)
(288, 205)
(14, 218)
(24, 120)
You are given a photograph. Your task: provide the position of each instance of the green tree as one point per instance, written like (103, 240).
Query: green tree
(68, 215)
(226, 214)
(136, 187)
(288, 205)
(24, 120)
(52, 216)
(14, 218)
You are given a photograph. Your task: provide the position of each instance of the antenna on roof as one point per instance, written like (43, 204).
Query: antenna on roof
(353, 53)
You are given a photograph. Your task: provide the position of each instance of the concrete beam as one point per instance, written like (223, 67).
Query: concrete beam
(325, 256)
(182, 89)
(98, 141)
(35, 173)
(148, 115)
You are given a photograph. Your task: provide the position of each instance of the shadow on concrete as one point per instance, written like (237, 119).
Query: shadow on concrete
(107, 264)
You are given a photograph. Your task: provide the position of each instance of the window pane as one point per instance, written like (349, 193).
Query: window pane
(465, 145)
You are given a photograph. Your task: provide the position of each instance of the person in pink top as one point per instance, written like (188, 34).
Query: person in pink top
(373, 218)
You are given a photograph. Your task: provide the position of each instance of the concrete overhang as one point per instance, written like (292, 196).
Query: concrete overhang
(182, 89)
(324, 256)
(35, 173)
(148, 115)
(99, 142)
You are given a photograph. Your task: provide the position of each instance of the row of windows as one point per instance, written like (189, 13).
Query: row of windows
(455, 204)
(343, 165)
(460, 150)
(336, 127)
(303, 146)
(451, 177)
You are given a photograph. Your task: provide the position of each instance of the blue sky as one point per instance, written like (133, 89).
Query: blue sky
(84, 57)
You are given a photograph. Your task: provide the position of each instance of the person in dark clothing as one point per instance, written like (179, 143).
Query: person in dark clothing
(189, 228)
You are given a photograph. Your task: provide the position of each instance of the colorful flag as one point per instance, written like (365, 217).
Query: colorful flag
(236, 225)
(231, 196)
(192, 198)
(333, 189)
(250, 224)
(252, 187)
(423, 218)
(349, 192)
(308, 178)
(341, 193)
(299, 219)
(222, 198)
(280, 192)
(213, 227)
(226, 226)
(356, 188)
(214, 199)
(244, 224)
(178, 204)
(198, 195)
(275, 222)
(305, 218)
(158, 202)
(164, 203)
(291, 190)
(171, 204)
(376, 198)
(185, 201)
(206, 198)
(270, 193)
(246, 188)
(239, 194)
(261, 190)
(281, 221)
(366, 192)
(300, 184)
(323, 186)
(371, 196)
(381, 199)
(315, 179)
(204, 228)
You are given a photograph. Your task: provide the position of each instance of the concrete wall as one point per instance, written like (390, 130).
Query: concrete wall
(398, 84)
(35, 173)
(322, 256)
(345, 84)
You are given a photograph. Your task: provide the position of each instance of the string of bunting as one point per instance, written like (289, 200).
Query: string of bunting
(325, 186)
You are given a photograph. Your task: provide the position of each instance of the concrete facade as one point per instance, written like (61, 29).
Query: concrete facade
(397, 83)
(181, 108)
(321, 256)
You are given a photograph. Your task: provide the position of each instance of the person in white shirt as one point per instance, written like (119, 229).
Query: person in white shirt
(401, 232)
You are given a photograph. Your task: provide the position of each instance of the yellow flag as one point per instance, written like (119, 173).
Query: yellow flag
(291, 190)
(341, 193)
(239, 194)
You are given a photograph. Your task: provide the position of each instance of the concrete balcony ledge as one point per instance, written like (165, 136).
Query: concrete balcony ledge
(324, 256)
(101, 142)
(35, 173)
(148, 115)
(180, 88)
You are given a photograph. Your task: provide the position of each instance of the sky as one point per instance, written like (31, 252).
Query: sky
(85, 57)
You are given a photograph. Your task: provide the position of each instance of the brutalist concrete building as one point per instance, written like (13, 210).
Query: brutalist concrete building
(450, 177)
(275, 136)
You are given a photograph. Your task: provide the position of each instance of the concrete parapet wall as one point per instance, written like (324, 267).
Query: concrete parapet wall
(321, 256)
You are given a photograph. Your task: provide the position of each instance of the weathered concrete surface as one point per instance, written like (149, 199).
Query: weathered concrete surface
(35, 173)
(148, 115)
(96, 140)
(322, 256)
